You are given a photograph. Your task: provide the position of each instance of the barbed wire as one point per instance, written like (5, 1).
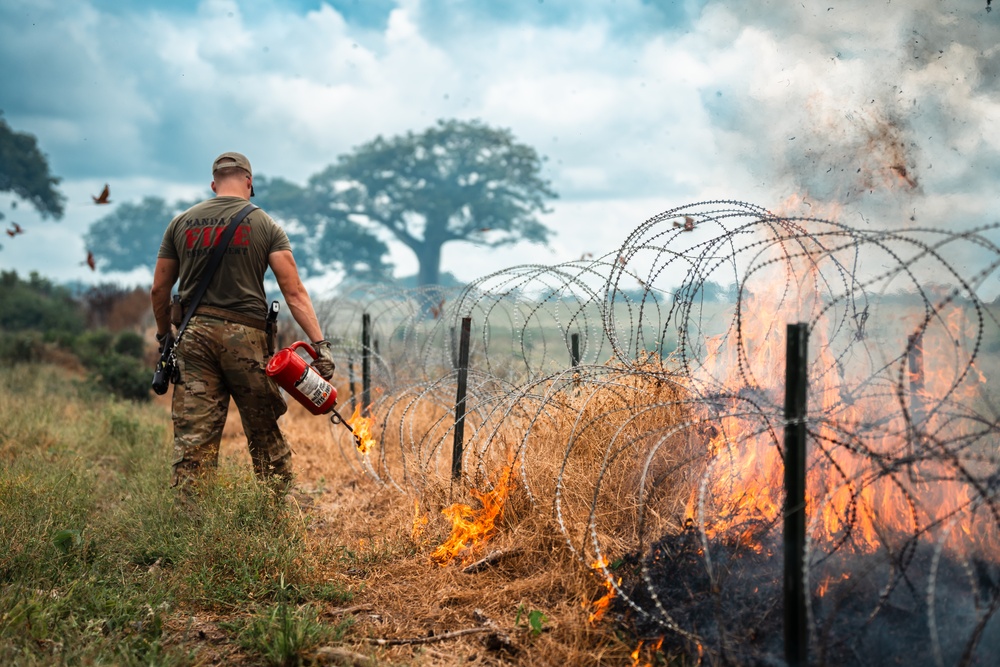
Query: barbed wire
(639, 397)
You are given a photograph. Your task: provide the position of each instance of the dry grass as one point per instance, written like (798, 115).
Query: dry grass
(377, 540)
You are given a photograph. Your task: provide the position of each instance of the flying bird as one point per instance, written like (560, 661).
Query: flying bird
(437, 310)
(103, 197)
(688, 223)
(90, 261)
(17, 230)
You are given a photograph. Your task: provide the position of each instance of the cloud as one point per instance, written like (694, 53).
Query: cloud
(634, 104)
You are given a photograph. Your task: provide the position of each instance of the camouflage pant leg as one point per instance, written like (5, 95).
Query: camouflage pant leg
(200, 403)
(258, 399)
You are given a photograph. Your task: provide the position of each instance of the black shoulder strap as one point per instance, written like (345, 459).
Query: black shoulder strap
(213, 263)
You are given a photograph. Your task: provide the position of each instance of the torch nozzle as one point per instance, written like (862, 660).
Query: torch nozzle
(336, 418)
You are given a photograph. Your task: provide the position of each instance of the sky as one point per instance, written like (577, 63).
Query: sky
(637, 106)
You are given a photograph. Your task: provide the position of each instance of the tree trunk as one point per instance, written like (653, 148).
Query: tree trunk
(429, 257)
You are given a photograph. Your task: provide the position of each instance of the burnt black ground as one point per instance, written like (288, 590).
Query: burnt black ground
(875, 609)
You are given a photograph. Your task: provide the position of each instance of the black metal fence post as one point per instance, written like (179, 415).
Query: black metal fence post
(463, 379)
(350, 380)
(796, 385)
(366, 363)
(574, 351)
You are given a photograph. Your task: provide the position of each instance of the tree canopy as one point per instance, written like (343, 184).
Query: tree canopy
(456, 181)
(129, 236)
(24, 171)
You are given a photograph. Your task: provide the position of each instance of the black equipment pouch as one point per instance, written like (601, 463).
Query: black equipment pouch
(271, 326)
(176, 311)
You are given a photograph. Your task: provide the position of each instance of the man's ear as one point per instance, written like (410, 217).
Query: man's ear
(213, 188)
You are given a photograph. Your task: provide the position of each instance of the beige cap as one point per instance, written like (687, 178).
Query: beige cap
(233, 159)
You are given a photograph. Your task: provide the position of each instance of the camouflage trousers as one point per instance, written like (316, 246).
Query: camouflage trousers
(216, 360)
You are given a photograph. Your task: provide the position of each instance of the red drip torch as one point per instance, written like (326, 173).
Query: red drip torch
(304, 384)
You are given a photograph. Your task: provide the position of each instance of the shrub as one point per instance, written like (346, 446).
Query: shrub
(123, 376)
(37, 304)
(21, 346)
(130, 344)
(90, 346)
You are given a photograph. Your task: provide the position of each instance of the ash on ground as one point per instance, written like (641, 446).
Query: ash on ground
(904, 608)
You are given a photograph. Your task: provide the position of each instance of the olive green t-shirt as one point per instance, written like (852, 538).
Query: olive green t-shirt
(238, 282)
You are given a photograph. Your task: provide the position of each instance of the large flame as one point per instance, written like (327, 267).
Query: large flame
(472, 527)
(848, 496)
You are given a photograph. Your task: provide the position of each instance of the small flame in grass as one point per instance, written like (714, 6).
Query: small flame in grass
(827, 581)
(471, 527)
(362, 427)
(419, 521)
(654, 648)
(601, 604)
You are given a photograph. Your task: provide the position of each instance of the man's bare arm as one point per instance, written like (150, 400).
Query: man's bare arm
(164, 277)
(286, 271)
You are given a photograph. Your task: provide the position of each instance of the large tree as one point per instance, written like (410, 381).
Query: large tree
(456, 181)
(25, 172)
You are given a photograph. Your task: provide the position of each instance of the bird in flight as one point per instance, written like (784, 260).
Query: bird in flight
(17, 230)
(103, 197)
(90, 261)
(437, 310)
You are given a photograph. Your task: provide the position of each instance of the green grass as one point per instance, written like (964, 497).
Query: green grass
(96, 554)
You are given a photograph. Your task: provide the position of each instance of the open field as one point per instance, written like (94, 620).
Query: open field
(101, 566)
(626, 510)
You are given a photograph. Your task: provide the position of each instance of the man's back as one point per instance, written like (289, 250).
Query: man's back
(238, 282)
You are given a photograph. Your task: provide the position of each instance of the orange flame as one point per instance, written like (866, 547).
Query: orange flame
(470, 527)
(830, 579)
(362, 427)
(600, 605)
(653, 648)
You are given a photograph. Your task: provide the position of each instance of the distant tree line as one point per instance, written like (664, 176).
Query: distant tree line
(44, 322)
(456, 181)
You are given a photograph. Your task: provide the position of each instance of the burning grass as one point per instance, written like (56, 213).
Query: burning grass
(443, 557)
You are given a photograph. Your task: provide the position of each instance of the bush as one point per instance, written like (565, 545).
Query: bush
(92, 346)
(123, 376)
(37, 304)
(22, 346)
(130, 344)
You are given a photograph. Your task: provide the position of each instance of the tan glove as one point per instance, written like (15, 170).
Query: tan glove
(324, 359)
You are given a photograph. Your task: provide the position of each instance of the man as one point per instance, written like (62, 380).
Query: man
(223, 351)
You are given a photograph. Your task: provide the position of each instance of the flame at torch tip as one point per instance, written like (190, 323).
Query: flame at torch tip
(362, 428)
